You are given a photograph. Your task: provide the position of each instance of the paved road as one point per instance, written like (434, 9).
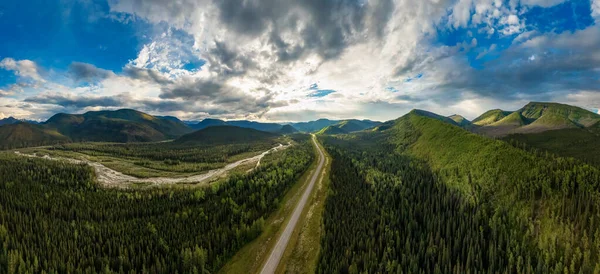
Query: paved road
(283, 240)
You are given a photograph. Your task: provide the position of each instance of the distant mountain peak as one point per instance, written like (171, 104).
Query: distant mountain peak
(224, 134)
(490, 117)
(537, 117)
(429, 114)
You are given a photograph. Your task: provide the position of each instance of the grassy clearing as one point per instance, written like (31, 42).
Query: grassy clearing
(130, 166)
(302, 252)
(251, 257)
(142, 167)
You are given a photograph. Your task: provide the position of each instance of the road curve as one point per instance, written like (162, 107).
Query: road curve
(277, 252)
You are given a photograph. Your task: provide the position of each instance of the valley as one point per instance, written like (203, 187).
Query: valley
(507, 192)
(300, 137)
(111, 178)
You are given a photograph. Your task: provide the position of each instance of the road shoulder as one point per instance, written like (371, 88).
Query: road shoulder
(304, 247)
(251, 258)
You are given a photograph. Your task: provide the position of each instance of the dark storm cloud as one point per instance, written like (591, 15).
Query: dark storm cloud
(227, 62)
(216, 98)
(324, 27)
(79, 101)
(248, 17)
(539, 66)
(144, 74)
(381, 13)
(88, 72)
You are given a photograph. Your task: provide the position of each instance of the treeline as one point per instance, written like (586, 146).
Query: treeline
(54, 218)
(389, 212)
(35, 143)
(581, 144)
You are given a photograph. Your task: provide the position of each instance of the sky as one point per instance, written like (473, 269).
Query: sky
(296, 60)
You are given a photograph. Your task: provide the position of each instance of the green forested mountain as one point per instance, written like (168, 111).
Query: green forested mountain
(579, 143)
(424, 113)
(460, 120)
(435, 198)
(25, 134)
(311, 126)
(207, 123)
(287, 129)
(269, 127)
(314, 126)
(331, 130)
(13, 120)
(8, 121)
(347, 126)
(535, 117)
(123, 125)
(490, 116)
(353, 125)
(224, 135)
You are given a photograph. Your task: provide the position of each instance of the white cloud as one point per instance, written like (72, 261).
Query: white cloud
(22, 68)
(5, 93)
(263, 55)
(586, 99)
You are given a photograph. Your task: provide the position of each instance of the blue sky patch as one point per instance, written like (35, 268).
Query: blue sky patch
(57, 33)
(321, 93)
(410, 79)
(391, 89)
(568, 16)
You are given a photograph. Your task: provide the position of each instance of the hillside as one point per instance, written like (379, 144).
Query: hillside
(490, 116)
(8, 121)
(353, 125)
(208, 122)
(314, 126)
(514, 119)
(24, 134)
(581, 117)
(219, 135)
(269, 127)
(331, 130)
(123, 125)
(170, 118)
(580, 143)
(428, 114)
(287, 129)
(12, 120)
(310, 126)
(506, 124)
(460, 120)
(443, 187)
(538, 117)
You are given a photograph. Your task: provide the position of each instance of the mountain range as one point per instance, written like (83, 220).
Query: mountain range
(224, 134)
(127, 125)
(12, 120)
(350, 125)
(534, 117)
